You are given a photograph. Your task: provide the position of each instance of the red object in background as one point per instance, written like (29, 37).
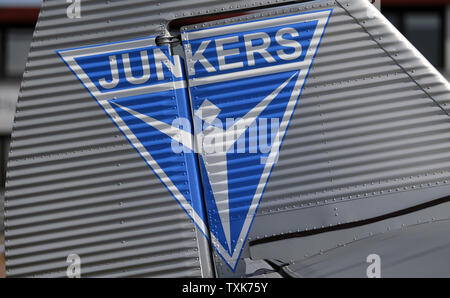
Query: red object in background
(23, 15)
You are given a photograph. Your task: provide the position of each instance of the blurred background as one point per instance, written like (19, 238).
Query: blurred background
(426, 23)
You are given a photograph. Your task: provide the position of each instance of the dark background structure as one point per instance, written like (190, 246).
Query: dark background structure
(426, 23)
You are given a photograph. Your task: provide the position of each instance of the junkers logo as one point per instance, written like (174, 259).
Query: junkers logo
(242, 79)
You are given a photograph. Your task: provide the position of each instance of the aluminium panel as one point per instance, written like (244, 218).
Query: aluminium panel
(370, 94)
(372, 127)
(296, 249)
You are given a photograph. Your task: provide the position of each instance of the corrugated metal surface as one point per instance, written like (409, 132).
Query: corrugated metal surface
(75, 185)
(297, 249)
(8, 100)
(252, 99)
(371, 128)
